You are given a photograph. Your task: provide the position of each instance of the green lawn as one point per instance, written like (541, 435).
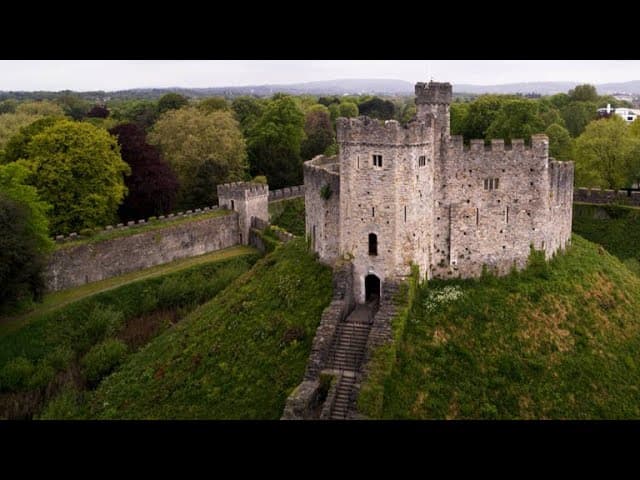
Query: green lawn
(95, 334)
(557, 341)
(55, 300)
(236, 357)
(288, 214)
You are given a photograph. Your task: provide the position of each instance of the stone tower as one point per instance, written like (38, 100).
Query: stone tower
(249, 200)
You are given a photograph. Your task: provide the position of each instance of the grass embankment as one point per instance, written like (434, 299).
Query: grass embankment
(82, 342)
(615, 227)
(288, 214)
(55, 300)
(558, 340)
(153, 224)
(236, 357)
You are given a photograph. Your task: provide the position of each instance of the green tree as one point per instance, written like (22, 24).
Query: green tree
(577, 115)
(604, 154)
(24, 238)
(560, 142)
(212, 104)
(583, 93)
(516, 119)
(348, 110)
(481, 115)
(171, 101)
(16, 147)
(143, 113)
(458, 112)
(77, 168)
(319, 132)
(10, 125)
(274, 143)
(203, 150)
(73, 106)
(42, 107)
(247, 111)
(8, 106)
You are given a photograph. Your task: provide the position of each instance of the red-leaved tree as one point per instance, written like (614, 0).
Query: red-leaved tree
(152, 184)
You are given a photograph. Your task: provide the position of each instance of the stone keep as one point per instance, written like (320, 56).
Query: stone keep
(398, 195)
(249, 200)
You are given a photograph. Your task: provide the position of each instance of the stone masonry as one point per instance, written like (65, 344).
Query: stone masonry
(249, 200)
(403, 194)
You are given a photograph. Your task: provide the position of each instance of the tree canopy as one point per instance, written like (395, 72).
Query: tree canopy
(202, 149)
(171, 101)
(319, 132)
(77, 168)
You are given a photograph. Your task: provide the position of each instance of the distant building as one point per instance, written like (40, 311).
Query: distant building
(627, 114)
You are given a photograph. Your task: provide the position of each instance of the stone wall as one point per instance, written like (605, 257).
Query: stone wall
(285, 193)
(90, 262)
(249, 200)
(322, 215)
(304, 399)
(596, 195)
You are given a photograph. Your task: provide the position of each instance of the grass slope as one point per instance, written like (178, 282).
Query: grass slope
(288, 214)
(559, 340)
(236, 357)
(615, 227)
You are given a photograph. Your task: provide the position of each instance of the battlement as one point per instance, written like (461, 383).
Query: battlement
(433, 92)
(539, 145)
(241, 190)
(365, 130)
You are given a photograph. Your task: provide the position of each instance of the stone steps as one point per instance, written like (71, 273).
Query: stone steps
(343, 400)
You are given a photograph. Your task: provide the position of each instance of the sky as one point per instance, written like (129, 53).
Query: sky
(82, 75)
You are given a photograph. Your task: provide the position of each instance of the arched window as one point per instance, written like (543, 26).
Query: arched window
(373, 244)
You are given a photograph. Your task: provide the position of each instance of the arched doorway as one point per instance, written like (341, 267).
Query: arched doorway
(371, 288)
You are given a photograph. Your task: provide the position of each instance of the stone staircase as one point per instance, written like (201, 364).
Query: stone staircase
(345, 359)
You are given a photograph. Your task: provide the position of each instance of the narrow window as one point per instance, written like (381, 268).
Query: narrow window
(358, 161)
(240, 239)
(377, 160)
(477, 216)
(405, 214)
(314, 238)
(233, 205)
(373, 244)
(422, 160)
(495, 183)
(373, 211)
(506, 215)
(486, 184)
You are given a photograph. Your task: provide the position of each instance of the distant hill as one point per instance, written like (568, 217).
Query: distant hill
(374, 86)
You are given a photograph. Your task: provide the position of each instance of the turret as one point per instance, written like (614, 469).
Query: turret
(434, 98)
(249, 200)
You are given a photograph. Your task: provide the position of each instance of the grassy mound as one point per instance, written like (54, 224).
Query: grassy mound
(558, 340)
(288, 214)
(236, 357)
(84, 340)
(615, 227)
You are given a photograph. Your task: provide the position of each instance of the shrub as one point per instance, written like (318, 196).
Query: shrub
(103, 322)
(42, 375)
(60, 358)
(67, 405)
(102, 359)
(15, 375)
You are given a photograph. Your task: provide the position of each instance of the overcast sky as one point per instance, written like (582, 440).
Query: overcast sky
(124, 74)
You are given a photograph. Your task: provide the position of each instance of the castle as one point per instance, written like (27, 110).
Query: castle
(398, 195)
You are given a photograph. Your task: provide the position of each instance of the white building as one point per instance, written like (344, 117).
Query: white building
(627, 114)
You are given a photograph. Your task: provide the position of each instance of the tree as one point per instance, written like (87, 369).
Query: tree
(11, 123)
(78, 169)
(560, 142)
(171, 101)
(516, 119)
(481, 114)
(24, 238)
(42, 107)
(458, 112)
(348, 110)
(583, 93)
(274, 143)
(73, 106)
(16, 147)
(203, 150)
(142, 112)
(98, 111)
(577, 115)
(377, 108)
(152, 185)
(604, 154)
(319, 132)
(247, 111)
(212, 104)
(8, 106)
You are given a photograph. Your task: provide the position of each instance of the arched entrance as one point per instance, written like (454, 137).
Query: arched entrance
(371, 288)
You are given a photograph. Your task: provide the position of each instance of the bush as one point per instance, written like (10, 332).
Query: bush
(65, 406)
(102, 359)
(15, 375)
(60, 358)
(42, 375)
(103, 322)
